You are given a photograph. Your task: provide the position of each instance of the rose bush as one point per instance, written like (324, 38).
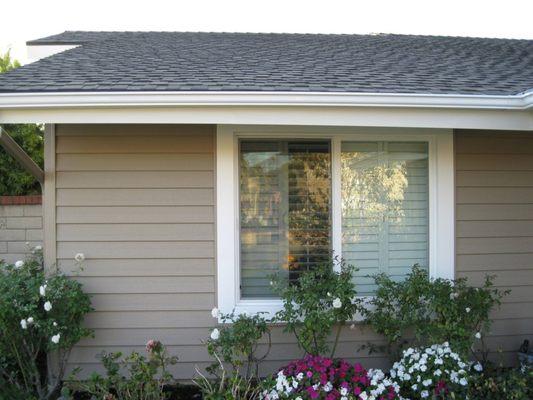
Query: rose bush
(134, 377)
(321, 299)
(434, 310)
(316, 377)
(41, 315)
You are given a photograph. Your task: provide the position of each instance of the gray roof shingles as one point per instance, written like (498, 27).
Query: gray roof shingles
(188, 61)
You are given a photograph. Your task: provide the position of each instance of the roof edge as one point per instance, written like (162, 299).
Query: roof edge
(523, 101)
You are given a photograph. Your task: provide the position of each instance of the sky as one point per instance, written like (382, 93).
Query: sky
(22, 20)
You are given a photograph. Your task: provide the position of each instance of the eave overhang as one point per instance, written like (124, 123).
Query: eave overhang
(273, 108)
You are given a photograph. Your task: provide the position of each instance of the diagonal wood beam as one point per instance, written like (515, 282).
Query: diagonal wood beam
(21, 156)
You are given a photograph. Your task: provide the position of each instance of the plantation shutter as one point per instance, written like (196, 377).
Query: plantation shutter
(284, 203)
(385, 208)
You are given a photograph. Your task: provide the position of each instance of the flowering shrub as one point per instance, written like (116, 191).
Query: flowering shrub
(234, 342)
(321, 298)
(434, 372)
(316, 377)
(436, 310)
(40, 313)
(145, 378)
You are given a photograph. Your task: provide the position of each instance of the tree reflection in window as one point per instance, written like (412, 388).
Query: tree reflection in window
(285, 197)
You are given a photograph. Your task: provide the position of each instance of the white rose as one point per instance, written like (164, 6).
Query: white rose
(467, 309)
(23, 324)
(42, 290)
(424, 394)
(215, 334)
(19, 264)
(38, 248)
(79, 257)
(55, 338)
(463, 382)
(30, 320)
(478, 335)
(337, 303)
(478, 367)
(214, 312)
(414, 387)
(54, 323)
(47, 306)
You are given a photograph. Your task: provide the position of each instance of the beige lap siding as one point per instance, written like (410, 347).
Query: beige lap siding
(494, 211)
(138, 201)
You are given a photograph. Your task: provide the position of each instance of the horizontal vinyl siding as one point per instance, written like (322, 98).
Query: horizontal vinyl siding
(138, 201)
(494, 225)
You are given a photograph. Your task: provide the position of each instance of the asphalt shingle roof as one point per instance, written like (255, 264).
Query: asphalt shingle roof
(187, 61)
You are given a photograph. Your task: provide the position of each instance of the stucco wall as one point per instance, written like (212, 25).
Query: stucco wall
(20, 226)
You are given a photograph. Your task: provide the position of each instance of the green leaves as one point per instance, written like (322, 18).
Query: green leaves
(434, 310)
(14, 181)
(144, 378)
(30, 330)
(321, 298)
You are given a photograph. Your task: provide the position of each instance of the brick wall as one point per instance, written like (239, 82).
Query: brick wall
(21, 224)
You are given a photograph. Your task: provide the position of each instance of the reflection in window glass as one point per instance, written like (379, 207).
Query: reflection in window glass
(285, 197)
(385, 208)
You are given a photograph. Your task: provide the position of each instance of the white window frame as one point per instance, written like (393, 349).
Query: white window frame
(441, 199)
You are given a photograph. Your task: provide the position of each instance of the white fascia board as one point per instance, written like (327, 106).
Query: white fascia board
(323, 99)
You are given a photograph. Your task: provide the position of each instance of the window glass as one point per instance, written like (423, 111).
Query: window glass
(284, 199)
(385, 208)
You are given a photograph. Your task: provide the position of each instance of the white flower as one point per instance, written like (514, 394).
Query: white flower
(427, 382)
(352, 326)
(47, 306)
(54, 323)
(55, 338)
(437, 372)
(478, 367)
(463, 382)
(344, 391)
(19, 264)
(478, 335)
(423, 368)
(337, 303)
(214, 312)
(23, 323)
(271, 283)
(300, 376)
(79, 257)
(38, 248)
(363, 396)
(215, 334)
(30, 320)
(424, 394)
(42, 290)
(414, 387)
(467, 309)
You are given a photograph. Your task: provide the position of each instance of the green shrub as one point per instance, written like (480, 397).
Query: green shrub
(434, 311)
(143, 378)
(235, 343)
(41, 317)
(502, 383)
(321, 299)
(14, 180)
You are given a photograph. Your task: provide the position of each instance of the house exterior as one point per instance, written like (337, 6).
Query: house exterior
(189, 167)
